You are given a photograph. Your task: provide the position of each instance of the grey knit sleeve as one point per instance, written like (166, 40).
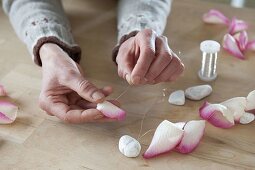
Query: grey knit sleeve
(41, 21)
(135, 15)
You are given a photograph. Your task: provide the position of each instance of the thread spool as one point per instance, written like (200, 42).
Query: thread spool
(210, 51)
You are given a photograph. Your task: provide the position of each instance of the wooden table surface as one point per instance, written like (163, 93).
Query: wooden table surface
(38, 141)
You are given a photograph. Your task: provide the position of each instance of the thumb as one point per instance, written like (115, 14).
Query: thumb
(84, 88)
(125, 60)
(126, 69)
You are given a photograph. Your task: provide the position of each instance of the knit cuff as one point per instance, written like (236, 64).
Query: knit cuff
(139, 22)
(36, 36)
(73, 51)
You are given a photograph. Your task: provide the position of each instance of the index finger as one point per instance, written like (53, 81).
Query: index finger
(67, 114)
(88, 115)
(146, 41)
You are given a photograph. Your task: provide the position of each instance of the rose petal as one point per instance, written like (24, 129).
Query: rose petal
(193, 132)
(215, 17)
(2, 91)
(180, 124)
(230, 45)
(111, 111)
(242, 40)
(217, 114)
(250, 107)
(8, 112)
(247, 118)
(166, 137)
(237, 25)
(236, 106)
(251, 45)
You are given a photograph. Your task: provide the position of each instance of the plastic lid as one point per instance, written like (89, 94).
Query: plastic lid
(210, 46)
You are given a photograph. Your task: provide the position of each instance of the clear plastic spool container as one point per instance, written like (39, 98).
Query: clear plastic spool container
(210, 51)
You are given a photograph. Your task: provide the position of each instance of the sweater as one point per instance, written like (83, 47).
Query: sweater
(44, 21)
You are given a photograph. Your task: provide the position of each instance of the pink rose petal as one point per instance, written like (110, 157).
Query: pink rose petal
(230, 45)
(236, 106)
(251, 45)
(111, 111)
(217, 114)
(236, 26)
(250, 107)
(166, 137)
(215, 17)
(242, 40)
(8, 112)
(247, 118)
(2, 91)
(193, 132)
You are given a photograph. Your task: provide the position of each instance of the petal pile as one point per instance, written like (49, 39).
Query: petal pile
(241, 40)
(217, 114)
(236, 106)
(193, 133)
(247, 118)
(166, 137)
(235, 25)
(250, 106)
(8, 112)
(184, 137)
(251, 45)
(227, 113)
(230, 45)
(215, 17)
(238, 44)
(236, 40)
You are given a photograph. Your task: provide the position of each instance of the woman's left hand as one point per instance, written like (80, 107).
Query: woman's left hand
(147, 59)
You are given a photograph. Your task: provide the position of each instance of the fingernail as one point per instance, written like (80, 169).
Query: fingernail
(128, 78)
(100, 116)
(136, 80)
(97, 95)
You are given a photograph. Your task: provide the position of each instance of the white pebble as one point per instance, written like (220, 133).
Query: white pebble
(247, 118)
(198, 92)
(177, 98)
(129, 146)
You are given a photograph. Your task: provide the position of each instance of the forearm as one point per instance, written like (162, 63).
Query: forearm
(136, 15)
(41, 21)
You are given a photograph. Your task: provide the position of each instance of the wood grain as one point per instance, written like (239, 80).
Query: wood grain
(39, 141)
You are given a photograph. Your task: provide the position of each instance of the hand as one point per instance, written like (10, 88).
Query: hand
(65, 92)
(147, 59)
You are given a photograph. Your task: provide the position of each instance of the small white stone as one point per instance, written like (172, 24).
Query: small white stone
(177, 98)
(247, 118)
(198, 92)
(129, 146)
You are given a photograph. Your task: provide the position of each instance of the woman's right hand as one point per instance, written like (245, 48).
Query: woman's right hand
(66, 93)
